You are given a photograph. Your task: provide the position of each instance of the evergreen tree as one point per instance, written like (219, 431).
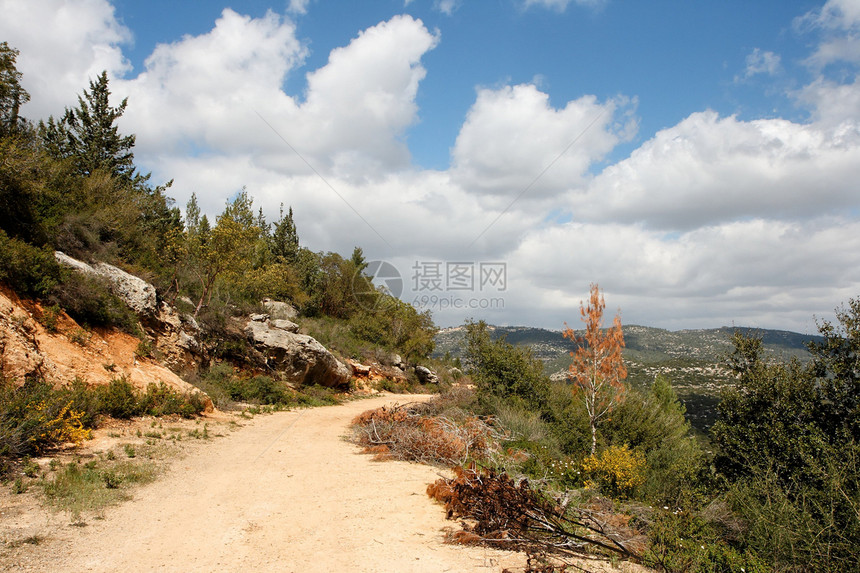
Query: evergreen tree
(284, 238)
(88, 135)
(12, 95)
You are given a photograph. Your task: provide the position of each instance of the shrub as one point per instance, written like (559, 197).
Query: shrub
(617, 471)
(27, 269)
(89, 301)
(118, 399)
(681, 542)
(162, 400)
(35, 418)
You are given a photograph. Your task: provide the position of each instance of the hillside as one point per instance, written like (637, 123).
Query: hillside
(692, 359)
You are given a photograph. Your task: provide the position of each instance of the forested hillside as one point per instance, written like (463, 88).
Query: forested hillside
(70, 184)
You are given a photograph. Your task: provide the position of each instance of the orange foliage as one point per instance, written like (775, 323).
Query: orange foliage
(410, 433)
(598, 370)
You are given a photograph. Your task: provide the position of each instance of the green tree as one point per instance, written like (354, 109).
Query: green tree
(12, 94)
(504, 370)
(786, 444)
(224, 250)
(284, 240)
(88, 135)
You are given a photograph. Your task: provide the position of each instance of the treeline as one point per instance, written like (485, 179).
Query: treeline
(70, 184)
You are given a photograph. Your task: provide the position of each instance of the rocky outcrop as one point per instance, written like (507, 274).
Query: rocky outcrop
(301, 358)
(66, 352)
(425, 375)
(135, 292)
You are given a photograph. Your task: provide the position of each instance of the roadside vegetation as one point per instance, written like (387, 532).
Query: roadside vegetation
(774, 487)
(70, 184)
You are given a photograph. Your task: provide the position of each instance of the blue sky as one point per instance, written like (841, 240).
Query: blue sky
(698, 160)
(674, 57)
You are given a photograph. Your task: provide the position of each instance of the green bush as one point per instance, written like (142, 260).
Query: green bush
(35, 418)
(682, 542)
(162, 400)
(119, 399)
(27, 269)
(89, 301)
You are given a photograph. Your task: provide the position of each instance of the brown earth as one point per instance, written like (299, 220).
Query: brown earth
(67, 351)
(286, 492)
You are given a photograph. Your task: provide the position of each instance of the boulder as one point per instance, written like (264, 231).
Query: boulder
(284, 324)
(301, 358)
(278, 309)
(425, 375)
(135, 292)
(397, 361)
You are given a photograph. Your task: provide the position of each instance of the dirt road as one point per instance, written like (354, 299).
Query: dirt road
(285, 493)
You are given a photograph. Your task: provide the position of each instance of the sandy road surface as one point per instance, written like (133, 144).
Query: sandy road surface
(285, 493)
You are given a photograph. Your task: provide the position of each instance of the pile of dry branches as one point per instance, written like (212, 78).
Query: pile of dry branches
(414, 432)
(497, 510)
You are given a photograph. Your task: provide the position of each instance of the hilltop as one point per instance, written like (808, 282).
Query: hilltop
(692, 359)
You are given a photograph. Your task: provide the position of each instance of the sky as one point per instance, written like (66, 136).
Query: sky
(699, 161)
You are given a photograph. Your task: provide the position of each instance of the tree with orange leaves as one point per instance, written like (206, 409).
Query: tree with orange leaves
(598, 370)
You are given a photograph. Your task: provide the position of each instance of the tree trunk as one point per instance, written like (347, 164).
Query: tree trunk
(593, 437)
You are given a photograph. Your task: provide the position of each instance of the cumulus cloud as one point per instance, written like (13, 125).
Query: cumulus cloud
(513, 140)
(221, 94)
(200, 93)
(707, 276)
(708, 170)
(63, 44)
(706, 221)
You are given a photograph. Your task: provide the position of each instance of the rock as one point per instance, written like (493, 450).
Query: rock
(397, 360)
(301, 358)
(278, 309)
(259, 317)
(284, 324)
(425, 375)
(359, 369)
(135, 292)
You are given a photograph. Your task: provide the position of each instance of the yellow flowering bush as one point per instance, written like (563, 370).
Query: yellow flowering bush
(616, 471)
(57, 426)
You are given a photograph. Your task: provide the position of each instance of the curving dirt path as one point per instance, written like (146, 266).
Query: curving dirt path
(285, 493)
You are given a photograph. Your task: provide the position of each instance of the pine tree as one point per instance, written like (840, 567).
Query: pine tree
(88, 134)
(12, 95)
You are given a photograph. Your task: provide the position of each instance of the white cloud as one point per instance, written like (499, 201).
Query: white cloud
(447, 7)
(200, 93)
(218, 93)
(63, 44)
(298, 6)
(706, 277)
(710, 170)
(759, 62)
(711, 221)
(840, 22)
(513, 136)
(561, 5)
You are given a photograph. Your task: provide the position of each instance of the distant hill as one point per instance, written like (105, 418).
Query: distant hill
(692, 359)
